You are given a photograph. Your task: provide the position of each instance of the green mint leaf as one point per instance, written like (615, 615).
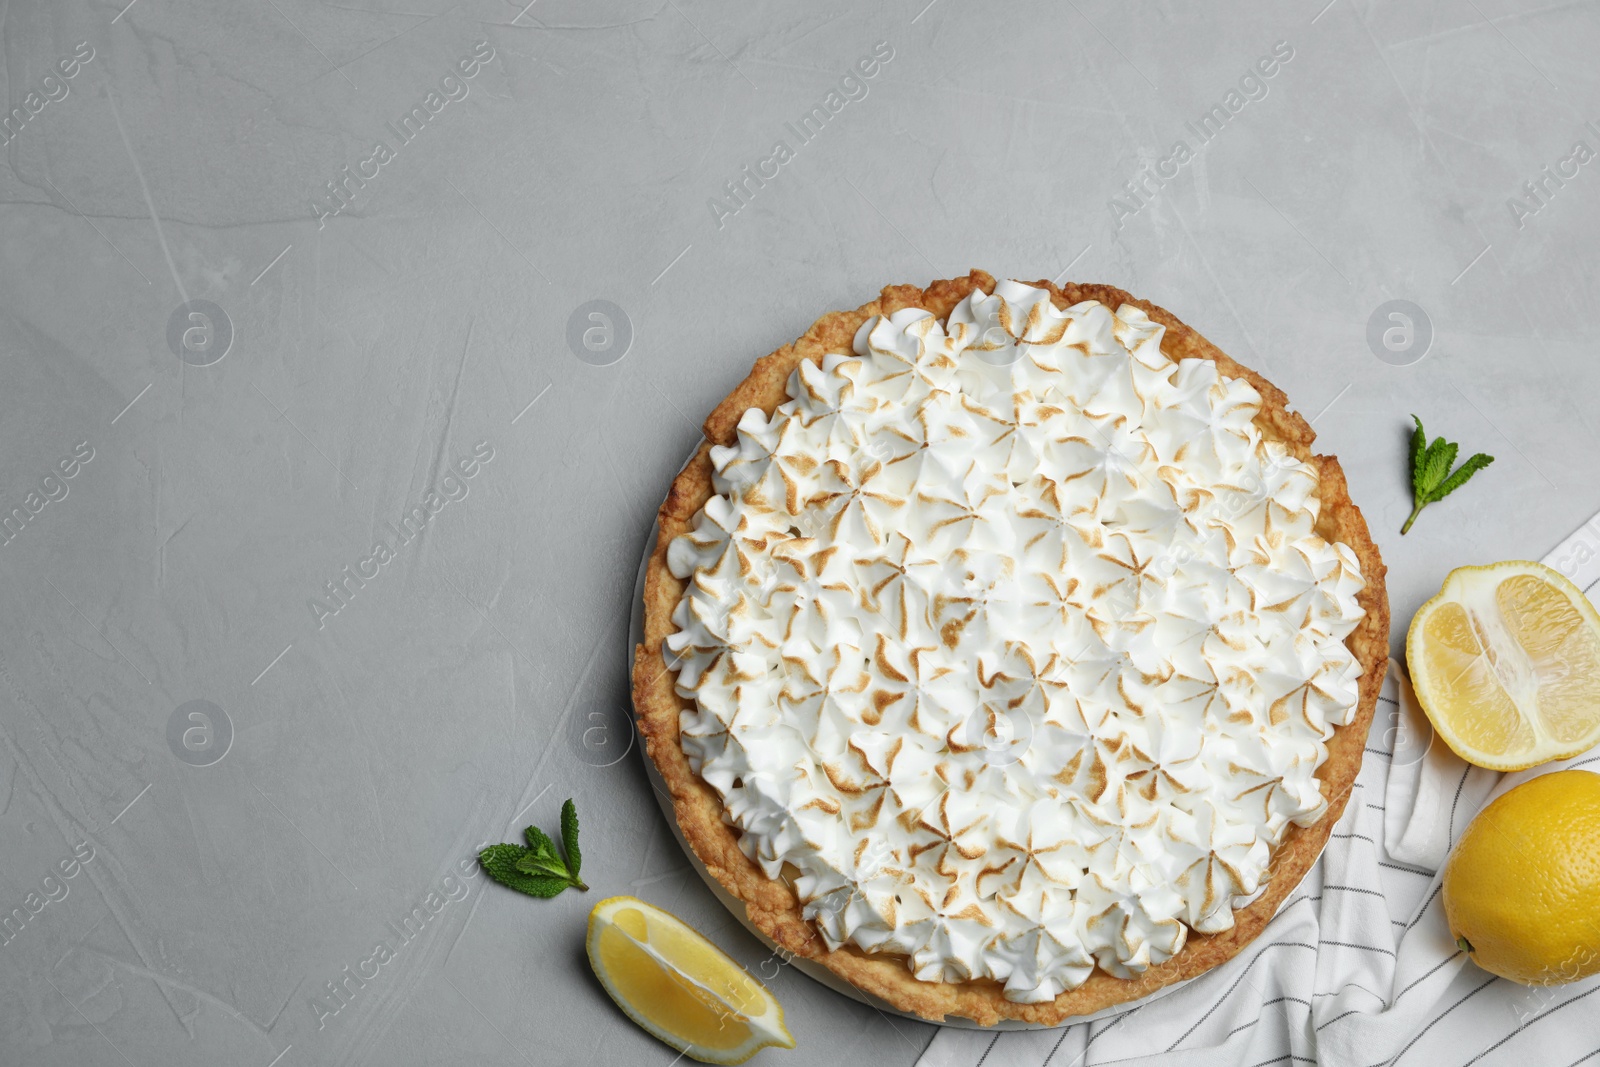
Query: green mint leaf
(500, 861)
(538, 869)
(540, 842)
(1441, 454)
(1459, 477)
(534, 863)
(1419, 448)
(569, 836)
(545, 888)
(1431, 477)
(1447, 461)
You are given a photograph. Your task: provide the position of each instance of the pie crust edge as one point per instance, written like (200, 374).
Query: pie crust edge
(772, 905)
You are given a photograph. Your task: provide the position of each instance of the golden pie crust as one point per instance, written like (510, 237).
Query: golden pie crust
(772, 905)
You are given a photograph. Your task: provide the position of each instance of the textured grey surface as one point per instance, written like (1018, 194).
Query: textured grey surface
(476, 678)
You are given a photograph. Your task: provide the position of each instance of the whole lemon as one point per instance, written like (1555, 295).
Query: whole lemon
(1522, 887)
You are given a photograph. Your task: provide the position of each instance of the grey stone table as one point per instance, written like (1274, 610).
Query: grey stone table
(324, 488)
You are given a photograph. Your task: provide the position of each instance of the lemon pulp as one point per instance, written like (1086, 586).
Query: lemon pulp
(679, 986)
(1505, 661)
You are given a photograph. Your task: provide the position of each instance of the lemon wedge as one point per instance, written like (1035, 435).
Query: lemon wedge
(1506, 663)
(679, 986)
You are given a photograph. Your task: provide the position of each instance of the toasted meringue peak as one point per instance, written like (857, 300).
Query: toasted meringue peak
(1016, 640)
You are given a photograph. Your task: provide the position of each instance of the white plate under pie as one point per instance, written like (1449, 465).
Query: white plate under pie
(809, 968)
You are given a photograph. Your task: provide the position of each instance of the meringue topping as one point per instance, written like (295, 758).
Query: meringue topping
(1014, 638)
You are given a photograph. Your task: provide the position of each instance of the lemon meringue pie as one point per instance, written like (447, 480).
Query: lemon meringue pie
(1006, 649)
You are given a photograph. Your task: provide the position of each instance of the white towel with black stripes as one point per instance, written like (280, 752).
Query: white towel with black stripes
(1358, 968)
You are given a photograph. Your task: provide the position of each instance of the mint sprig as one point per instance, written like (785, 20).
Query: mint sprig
(538, 868)
(1431, 477)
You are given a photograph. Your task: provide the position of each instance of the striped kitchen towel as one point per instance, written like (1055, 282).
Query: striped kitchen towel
(1358, 968)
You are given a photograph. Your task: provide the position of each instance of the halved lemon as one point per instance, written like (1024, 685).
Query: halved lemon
(1506, 663)
(679, 986)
